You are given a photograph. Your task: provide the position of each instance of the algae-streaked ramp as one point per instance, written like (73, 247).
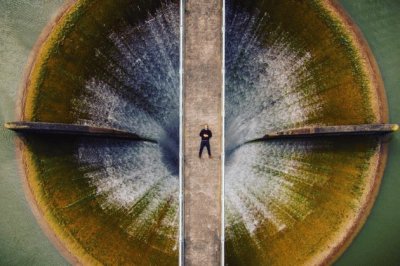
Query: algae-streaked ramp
(298, 65)
(107, 65)
(71, 129)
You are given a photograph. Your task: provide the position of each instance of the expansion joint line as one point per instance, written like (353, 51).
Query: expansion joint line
(223, 139)
(181, 181)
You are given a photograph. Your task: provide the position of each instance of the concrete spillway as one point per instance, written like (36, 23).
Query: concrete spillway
(293, 69)
(110, 200)
(287, 73)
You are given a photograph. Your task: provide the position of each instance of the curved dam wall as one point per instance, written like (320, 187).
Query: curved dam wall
(296, 64)
(108, 64)
(15, 245)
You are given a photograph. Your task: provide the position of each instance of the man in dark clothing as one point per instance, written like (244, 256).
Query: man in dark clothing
(205, 135)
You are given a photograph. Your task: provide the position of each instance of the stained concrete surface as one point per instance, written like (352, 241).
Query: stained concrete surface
(202, 105)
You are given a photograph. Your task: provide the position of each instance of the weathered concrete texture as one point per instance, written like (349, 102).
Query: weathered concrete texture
(202, 104)
(71, 129)
(367, 129)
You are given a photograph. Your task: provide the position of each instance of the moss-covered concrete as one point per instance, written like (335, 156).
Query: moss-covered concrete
(64, 62)
(346, 80)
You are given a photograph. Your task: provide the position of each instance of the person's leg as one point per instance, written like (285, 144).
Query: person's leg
(208, 148)
(201, 148)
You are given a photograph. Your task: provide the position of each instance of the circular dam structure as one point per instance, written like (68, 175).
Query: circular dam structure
(288, 64)
(295, 64)
(108, 64)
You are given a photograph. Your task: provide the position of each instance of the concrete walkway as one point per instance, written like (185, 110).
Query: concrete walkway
(202, 104)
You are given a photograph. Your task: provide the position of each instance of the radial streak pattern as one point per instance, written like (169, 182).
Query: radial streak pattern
(289, 202)
(109, 201)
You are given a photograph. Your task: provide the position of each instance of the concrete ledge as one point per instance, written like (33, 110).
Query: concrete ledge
(333, 131)
(71, 129)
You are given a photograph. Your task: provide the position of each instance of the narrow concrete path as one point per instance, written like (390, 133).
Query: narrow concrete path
(202, 105)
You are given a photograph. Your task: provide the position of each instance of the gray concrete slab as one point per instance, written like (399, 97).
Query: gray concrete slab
(343, 130)
(71, 129)
(202, 104)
